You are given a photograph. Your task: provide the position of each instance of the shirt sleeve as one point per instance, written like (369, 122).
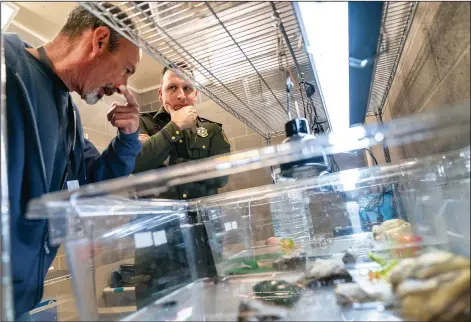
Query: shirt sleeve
(157, 148)
(116, 161)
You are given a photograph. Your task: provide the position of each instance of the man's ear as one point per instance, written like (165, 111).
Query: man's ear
(101, 39)
(160, 94)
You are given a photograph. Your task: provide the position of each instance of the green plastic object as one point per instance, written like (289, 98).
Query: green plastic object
(387, 266)
(247, 270)
(249, 264)
(377, 259)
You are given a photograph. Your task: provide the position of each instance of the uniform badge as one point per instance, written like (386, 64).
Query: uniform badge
(201, 131)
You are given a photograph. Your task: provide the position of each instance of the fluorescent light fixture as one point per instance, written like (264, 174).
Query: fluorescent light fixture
(326, 25)
(9, 11)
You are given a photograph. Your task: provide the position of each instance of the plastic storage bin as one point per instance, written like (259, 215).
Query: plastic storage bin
(207, 254)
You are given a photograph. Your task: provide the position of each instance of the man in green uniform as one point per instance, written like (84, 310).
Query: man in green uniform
(173, 135)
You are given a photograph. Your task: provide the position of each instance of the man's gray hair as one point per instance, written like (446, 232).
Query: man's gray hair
(80, 20)
(179, 65)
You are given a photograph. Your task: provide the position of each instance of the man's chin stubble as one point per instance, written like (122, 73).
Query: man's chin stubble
(92, 100)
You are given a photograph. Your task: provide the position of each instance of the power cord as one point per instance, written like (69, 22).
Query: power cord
(372, 156)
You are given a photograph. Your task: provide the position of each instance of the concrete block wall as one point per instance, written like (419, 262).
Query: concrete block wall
(150, 101)
(433, 72)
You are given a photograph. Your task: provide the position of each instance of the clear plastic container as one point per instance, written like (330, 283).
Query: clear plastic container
(223, 238)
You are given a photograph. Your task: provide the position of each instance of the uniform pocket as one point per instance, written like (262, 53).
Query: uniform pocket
(199, 147)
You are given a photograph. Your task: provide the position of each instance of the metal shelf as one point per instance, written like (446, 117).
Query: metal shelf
(239, 57)
(395, 25)
(236, 51)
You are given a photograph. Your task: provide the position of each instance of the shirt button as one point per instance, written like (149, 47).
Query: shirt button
(184, 195)
(180, 141)
(177, 132)
(204, 146)
(173, 138)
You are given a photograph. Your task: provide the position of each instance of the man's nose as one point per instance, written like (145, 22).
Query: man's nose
(181, 94)
(122, 81)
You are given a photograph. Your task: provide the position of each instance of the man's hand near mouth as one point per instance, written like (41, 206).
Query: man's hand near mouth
(184, 117)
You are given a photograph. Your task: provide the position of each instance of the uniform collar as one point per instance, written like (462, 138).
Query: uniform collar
(162, 115)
